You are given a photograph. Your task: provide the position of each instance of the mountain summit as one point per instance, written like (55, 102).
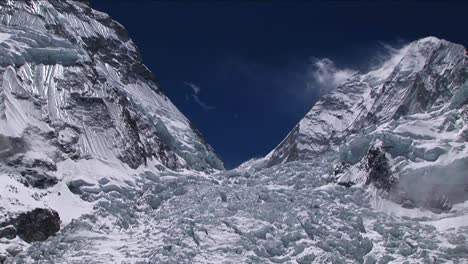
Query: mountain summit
(421, 77)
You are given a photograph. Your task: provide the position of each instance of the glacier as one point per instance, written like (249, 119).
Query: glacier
(374, 173)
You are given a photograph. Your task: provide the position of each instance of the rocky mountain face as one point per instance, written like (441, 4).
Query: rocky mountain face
(76, 102)
(402, 126)
(98, 166)
(73, 80)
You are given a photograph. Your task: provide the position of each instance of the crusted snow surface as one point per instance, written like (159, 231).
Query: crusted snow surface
(288, 213)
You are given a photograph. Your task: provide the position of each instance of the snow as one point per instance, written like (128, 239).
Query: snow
(4, 36)
(384, 70)
(18, 113)
(93, 170)
(17, 198)
(431, 39)
(450, 222)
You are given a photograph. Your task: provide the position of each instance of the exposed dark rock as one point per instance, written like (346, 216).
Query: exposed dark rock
(94, 109)
(38, 179)
(346, 184)
(37, 225)
(8, 232)
(379, 169)
(35, 172)
(134, 154)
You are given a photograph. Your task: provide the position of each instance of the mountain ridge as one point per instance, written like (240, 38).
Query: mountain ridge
(385, 69)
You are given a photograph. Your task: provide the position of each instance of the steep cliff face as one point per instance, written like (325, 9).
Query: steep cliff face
(73, 79)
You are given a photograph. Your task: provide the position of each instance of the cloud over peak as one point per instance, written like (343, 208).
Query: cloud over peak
(326, 76)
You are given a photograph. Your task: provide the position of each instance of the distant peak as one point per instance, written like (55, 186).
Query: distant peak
(430, 39)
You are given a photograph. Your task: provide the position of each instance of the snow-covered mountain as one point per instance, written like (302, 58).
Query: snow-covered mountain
(75, 82)
(407, 120)
(78, 107)
(98, 166)
(422, 77)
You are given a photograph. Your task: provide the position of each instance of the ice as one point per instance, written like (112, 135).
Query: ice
(299, 222)
(51, 56)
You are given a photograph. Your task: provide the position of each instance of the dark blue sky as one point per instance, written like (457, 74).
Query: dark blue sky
(251, 59)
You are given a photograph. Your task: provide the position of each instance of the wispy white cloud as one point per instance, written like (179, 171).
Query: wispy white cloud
(196, 98)
(195, 88)
(203, 105)
(326, 76)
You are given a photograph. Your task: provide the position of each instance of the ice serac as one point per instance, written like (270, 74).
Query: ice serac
(73, 79)
(413, 109)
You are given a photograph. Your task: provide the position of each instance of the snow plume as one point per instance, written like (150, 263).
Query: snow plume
(195, 96)
(386, 59)
(326, 76)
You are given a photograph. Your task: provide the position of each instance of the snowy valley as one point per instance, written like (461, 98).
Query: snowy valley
(98, 166)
